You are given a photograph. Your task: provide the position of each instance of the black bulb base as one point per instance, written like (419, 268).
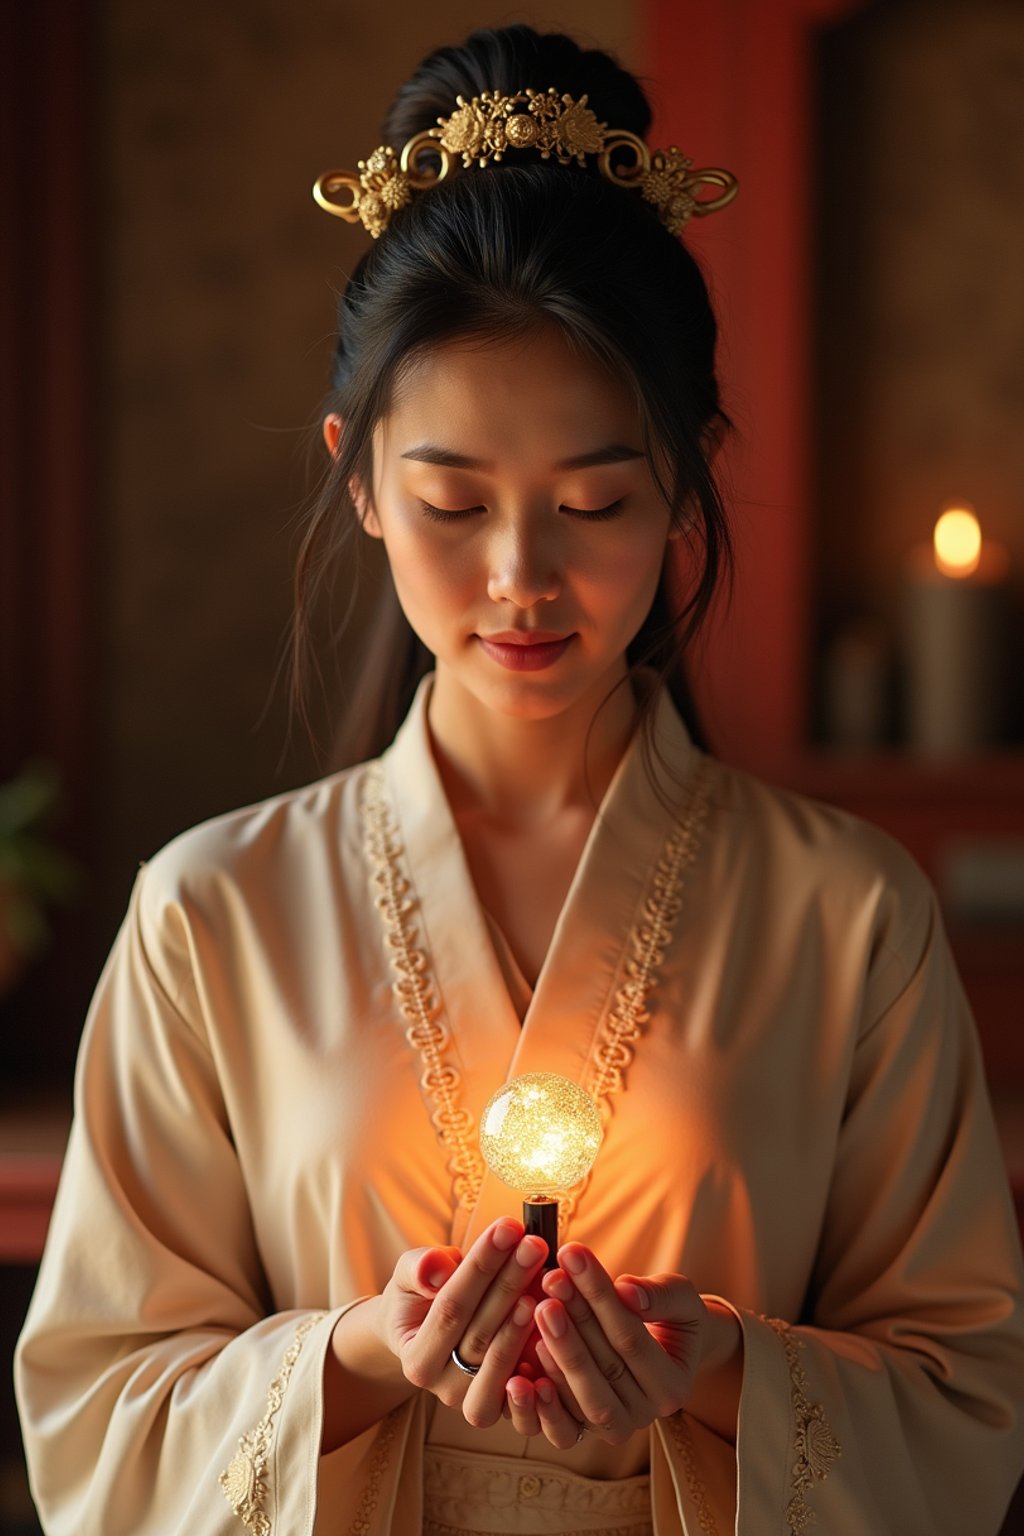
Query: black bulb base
(540, 1216)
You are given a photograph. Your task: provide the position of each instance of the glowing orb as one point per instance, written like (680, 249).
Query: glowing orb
(540, 1133)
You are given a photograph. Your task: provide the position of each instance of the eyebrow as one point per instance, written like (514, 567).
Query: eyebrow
(434, 453)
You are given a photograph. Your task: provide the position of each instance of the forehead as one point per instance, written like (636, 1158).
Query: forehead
(495, 398)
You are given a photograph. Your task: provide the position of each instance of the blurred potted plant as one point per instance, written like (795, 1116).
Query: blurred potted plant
(34, 872)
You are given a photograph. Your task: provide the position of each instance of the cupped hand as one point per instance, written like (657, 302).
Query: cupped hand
(616, 1354)
(437, 1300)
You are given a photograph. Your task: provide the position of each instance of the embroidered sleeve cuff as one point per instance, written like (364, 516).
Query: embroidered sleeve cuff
(271, 1481)
(785, 1444)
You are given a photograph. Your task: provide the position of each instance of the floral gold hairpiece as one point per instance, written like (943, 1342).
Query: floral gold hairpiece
(482, 129)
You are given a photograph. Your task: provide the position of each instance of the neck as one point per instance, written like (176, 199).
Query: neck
(528, 771)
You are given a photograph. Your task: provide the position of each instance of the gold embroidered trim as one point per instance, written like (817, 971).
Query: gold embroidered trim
(244, 1480)
(698, 1493)
(414, 990)
(648, 940)
(383, 1441)
(814, 1444)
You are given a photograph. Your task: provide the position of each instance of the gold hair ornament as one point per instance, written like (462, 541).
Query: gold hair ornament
(482, 129)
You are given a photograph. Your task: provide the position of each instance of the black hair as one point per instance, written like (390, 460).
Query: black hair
(492, 253)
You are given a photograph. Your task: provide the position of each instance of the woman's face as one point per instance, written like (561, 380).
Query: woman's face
(523, 528)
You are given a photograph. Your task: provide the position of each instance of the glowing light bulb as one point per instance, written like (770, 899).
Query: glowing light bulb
(957, 541)
(540, 1133)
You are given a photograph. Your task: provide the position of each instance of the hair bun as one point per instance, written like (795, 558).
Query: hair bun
(508, 59)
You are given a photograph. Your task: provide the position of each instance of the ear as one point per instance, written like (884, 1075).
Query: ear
(332, 429)
(367, 512)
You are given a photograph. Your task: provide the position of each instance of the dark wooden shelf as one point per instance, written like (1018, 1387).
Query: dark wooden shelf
(894, 776)
(33, 1137)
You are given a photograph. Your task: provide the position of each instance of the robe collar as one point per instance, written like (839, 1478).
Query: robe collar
(586, 959)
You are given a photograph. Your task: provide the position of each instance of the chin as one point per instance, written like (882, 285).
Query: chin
(518, 702)
(526, 697)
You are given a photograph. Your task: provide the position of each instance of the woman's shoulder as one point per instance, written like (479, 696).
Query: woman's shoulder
(259, 846)
(801, 846)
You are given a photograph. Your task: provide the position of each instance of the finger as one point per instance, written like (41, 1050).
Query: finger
(556, 1422)
(616, 1408)
(486, 1396)
(455, 1303)
(609, 1324)
(552, 1370)
(675, 1317)
(424, 1270)
(435, 1268)
(521, 1402)
(456, 1298)
(508, 1285)
(614, 1363)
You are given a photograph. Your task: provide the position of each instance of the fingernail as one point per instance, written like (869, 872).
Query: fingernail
(553, 1319)
(572, 1260)
(560, 1286)
(634, 1295)
(505, 1235)
(545, 1391)
(529, 1251)
(437, 1278)
(519, 1395)
(523, 1310)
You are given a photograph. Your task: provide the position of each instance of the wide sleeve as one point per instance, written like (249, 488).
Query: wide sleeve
(160, 1389)
(893, 1403)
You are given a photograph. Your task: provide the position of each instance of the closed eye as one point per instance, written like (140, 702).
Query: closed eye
(596, 514)
(452, 514)
(444, 515)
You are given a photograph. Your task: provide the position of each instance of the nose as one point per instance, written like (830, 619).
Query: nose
(524, 566)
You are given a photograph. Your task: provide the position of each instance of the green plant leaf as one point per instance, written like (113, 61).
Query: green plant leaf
(28, 799)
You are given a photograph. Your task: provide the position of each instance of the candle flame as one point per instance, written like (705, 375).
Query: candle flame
(957, 542)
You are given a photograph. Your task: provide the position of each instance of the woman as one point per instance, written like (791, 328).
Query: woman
(281, 1291)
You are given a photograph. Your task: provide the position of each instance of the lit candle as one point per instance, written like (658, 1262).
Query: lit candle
(955, 637)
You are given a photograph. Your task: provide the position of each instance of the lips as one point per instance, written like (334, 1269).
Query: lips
(525, 651)
(524, 637)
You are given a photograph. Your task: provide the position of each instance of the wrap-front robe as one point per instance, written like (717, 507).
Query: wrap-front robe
(279, 1091)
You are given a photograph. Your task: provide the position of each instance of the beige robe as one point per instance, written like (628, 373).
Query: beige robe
(279, 1089)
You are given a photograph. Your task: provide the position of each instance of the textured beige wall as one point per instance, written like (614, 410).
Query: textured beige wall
(219, 297)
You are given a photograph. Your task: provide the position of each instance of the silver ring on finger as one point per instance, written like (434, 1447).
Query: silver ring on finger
(581, 1430)
(464, 1365)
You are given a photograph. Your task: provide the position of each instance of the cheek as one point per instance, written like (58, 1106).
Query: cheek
(430, 575)
(626, 571)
